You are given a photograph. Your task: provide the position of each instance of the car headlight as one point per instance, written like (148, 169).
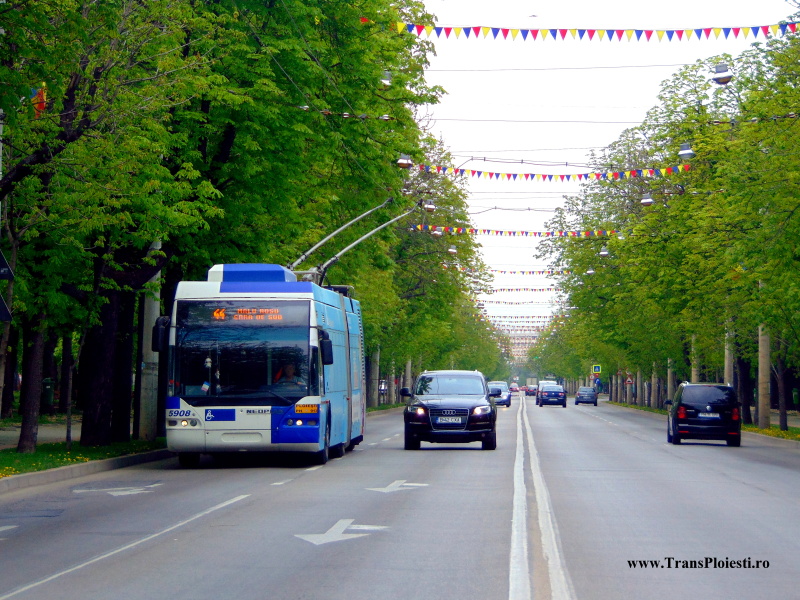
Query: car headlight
(481, 410)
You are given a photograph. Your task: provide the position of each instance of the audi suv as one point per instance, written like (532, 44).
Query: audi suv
(450, 406)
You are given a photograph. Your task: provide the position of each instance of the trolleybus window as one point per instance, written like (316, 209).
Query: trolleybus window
(243, 352)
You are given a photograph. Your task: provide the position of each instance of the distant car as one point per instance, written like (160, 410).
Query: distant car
(552, 394)
(514, 387)
(450, 406)
(543, 382)
(586, 395)
(523, 388)
(505, 399)
(704, 411)
(531, 390)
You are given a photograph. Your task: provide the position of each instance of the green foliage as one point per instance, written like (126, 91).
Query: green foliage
(716, 251)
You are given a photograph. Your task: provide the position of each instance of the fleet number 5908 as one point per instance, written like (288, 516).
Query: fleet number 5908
(179, 413)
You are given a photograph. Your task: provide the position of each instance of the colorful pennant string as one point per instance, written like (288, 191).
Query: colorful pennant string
(546, 289)
(598, 35)
(535, 177)
(499, 232)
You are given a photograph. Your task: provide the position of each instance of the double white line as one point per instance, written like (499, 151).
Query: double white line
(519, 578)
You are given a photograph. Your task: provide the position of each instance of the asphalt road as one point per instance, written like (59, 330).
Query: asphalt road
(567, 499)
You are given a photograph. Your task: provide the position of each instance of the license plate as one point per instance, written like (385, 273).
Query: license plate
(448, 420)
(709, 415)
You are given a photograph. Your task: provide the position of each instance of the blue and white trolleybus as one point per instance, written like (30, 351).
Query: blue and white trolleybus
(259, 361)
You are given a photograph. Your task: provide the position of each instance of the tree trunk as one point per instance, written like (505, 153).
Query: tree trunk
(49, 371)
(780, 379)
(95, 375)
(122, 385)
(374, 378)
(31, 393)
(65, 381)
(745, 388)
(10, 375)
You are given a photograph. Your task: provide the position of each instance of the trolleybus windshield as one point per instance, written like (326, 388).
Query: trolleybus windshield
(235, 352)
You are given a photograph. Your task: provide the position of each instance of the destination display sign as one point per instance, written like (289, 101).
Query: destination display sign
(243, 312)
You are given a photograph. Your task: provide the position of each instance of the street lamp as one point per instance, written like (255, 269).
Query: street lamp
(647, 200)
(722, 76)
(452, 250)
(686, 152)
(404, 162)
(603, 251)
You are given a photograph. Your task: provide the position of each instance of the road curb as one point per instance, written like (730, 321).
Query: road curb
(25, 480)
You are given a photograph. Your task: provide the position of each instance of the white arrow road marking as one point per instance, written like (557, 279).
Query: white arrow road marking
(337, 534)
(398, 485)
(123, 491)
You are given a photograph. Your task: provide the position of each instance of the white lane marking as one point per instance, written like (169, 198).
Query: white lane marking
(372, 444)
(519, 579)
(386, 439)
(122, 491)
(7, 527)
(398, 485)
(337, 534)
(309, 469)
(560, 587)
(123, 548)
(281, 482)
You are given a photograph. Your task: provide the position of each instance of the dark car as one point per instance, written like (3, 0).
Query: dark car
(704, 411)
(505, 398)
(552, 394)
(450, 406)
(586, 395)
(531, 390)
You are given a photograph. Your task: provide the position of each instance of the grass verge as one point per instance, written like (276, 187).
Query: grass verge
(54, 455)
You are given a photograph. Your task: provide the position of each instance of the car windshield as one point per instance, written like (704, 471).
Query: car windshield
(552, 388)
(708, 394)
(586, 389)
(499, 384)
(432, 385)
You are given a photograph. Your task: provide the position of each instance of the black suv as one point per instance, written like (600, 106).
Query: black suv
(704, 411)
(450, 406)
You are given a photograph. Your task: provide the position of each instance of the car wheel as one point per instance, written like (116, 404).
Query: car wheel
(595, 402)
(735, 440)
(189, 460)
(576, 403)
(490, 441)
(676, 439)
(564, 404)
(411, 443)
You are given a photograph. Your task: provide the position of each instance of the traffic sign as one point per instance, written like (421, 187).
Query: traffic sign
(629, 381)
(596, 369)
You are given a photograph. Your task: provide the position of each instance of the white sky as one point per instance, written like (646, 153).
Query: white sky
(572, 81)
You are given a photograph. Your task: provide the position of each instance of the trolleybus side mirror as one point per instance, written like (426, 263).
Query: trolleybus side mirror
(160, 340)
(326, 351)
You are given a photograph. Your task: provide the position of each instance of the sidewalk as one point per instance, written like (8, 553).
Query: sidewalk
(9, 436)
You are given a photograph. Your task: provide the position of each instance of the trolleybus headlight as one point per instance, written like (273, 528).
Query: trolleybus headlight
(311, 422)
(184, 423)
(193, 422)
(290, 421)
(172, 423)
(299, 422)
